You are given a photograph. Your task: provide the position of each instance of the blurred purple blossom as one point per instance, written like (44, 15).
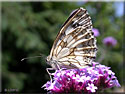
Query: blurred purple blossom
(110, 41)
(96, 32)
(87, 80)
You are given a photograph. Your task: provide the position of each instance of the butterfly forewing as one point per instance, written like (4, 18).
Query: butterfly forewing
(75, 45)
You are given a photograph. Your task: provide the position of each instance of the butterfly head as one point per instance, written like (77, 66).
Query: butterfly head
(52, 63)
(48, 59)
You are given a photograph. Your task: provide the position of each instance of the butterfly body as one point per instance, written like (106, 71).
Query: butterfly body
(75, 44)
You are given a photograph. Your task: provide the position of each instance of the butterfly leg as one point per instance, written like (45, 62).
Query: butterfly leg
(58, 67)
(47, 69)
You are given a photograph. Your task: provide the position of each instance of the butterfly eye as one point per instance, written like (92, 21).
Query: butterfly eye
(46, 60)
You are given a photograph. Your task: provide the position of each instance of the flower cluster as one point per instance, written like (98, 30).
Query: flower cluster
(86, 80)
(110, 41)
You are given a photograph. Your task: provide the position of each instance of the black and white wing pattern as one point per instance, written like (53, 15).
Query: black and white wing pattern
(75, 44)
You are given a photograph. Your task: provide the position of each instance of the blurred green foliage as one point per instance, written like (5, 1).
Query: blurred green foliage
(29, 29)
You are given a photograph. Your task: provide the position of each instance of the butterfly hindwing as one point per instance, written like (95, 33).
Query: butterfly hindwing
(75, 45)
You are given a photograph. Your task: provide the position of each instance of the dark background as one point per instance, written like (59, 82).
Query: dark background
(30, 28)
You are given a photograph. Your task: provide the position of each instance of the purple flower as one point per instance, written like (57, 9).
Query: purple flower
(110, 41)
(91, 87)
(86, 80)
(96, 32)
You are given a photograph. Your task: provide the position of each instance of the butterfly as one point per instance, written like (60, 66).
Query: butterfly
(75, 45)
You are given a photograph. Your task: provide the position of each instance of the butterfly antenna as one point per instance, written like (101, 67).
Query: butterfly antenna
(31, 57)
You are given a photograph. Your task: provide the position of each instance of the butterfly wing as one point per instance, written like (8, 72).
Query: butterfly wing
(75, 45)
